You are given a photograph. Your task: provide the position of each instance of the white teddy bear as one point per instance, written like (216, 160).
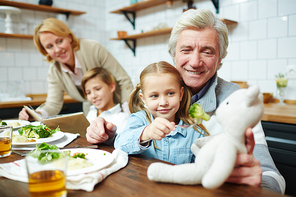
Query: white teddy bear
(216, 155)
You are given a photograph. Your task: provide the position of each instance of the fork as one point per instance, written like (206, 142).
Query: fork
(20, 153)
(186, 126)
(75, 146)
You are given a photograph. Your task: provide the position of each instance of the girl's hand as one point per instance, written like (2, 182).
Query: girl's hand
(158, 129)
(247, 168)
(100, 131)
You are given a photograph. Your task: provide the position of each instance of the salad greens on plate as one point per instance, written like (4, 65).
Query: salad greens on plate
(40, 131)
(46, 153)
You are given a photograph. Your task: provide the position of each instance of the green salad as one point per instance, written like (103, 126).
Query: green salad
(46, 153)
(3, 123)
(40, 131)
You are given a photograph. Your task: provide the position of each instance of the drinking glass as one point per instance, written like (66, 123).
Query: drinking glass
(5, 140)
(281, 84)
(47, 179)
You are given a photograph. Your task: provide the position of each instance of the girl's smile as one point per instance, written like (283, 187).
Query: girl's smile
(162, 95)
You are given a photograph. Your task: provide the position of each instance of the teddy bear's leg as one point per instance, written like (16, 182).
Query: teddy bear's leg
(221, 167)
(187, 174)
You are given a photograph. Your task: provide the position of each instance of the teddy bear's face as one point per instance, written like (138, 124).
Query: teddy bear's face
(243, 104)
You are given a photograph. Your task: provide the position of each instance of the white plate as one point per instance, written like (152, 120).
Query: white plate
(99, 158)
(56, 136)
(22, 123)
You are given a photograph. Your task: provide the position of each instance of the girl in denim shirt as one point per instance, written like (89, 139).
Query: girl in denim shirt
(159, 102)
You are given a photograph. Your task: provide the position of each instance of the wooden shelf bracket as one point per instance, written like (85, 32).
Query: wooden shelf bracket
(216, 4)
(129, 46)
(133, 20)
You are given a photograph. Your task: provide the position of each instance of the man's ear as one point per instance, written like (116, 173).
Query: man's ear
(181, 93)
(112, 87)
(142, 97)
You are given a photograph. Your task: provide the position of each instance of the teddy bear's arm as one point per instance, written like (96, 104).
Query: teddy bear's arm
(187, 174)
(200, 142)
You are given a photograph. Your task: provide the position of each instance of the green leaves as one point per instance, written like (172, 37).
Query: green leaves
(46, 153)
(80, 155)
(3, 123)
(40, 131)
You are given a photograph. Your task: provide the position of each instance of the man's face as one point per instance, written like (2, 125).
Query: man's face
(197, 56)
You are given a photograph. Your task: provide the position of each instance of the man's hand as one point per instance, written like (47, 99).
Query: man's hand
(247, 168)
(100, 131)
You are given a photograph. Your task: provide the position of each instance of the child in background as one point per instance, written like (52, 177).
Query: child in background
(99, 85)
(159, 102)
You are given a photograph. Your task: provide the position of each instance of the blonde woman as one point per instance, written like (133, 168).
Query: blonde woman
(69, 59)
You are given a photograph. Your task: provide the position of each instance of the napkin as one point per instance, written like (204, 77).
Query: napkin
(17, 171)
(61, 143)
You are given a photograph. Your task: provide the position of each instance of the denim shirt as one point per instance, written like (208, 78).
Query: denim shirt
(174, 148)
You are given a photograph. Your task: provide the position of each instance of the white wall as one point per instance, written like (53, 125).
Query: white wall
(20, 60)
(261, 45)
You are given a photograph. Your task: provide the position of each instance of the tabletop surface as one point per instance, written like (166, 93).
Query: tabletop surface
(132, 181)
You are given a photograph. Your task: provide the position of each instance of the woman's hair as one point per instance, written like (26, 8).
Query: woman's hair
(100, 72)
(135, 102)
(57, 27)
(199, 19)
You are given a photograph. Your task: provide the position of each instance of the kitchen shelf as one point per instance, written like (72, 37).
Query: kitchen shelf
(140, 6)
(161, 32)
(40, 8)
(133, 8)
(16, 36)
(134, 37)
(28, 6)
(146, 34)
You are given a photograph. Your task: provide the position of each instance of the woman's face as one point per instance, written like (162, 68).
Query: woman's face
(100, 94)
(162, 95)
(58, 48)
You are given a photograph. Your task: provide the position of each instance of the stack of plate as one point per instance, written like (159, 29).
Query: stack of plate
(56, 136)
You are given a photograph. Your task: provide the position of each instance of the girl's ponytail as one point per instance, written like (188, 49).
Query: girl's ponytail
(135, 103)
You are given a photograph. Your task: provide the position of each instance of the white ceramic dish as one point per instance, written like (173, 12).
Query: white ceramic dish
(99, 158)
(56, 136)
(21, 122)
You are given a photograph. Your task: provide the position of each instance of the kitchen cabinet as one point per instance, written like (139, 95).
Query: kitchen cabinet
(132, 9)
(281, 140)
(35, 7)
(10, 110)
(12, 113)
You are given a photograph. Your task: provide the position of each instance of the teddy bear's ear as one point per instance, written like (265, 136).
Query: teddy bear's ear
(252, 94)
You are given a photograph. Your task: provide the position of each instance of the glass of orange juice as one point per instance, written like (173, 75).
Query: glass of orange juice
(5, 140)
(47, 173)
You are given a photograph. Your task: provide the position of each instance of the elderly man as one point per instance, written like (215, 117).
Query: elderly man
(198, 43)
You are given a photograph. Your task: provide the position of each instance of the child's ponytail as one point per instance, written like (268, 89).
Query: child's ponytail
(136, 104)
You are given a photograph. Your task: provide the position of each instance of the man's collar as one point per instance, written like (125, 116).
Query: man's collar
(204, 90)
(209, 100)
